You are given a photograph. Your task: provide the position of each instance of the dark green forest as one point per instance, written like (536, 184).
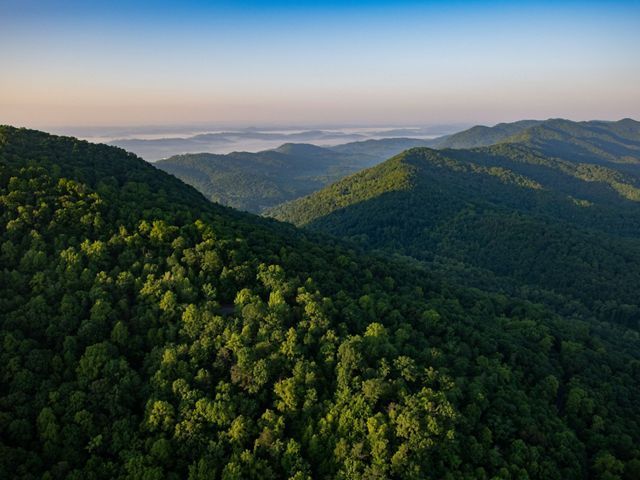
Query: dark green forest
(551, 215)
(148, 333)
(482, 136)
(255, 182)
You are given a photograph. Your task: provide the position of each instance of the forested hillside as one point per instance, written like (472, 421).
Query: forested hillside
(256, 181)
(259, 181)
(147, 333)
(599, 142)
(532, 212)
(482, 136)
(381, 149)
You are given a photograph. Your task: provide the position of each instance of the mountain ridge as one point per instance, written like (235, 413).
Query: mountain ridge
(256, 181)
(512, 195)
(240, 179)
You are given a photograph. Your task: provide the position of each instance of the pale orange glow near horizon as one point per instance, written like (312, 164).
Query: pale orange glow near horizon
(394, 67)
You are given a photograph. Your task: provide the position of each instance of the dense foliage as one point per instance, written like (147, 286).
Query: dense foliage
(259, 181)
(256, 181)
(482, 136)
(149, 334)
(592, 139)
(531, 223)
(593, 142)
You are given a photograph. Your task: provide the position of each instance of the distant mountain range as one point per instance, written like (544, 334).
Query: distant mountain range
(262, 180)
(550, 198)
(255, 139)
(160, 148)
(481, 136)
(257, 181)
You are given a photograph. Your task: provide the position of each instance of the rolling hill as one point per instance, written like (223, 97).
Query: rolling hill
(381, 149)
(531, 212)
(592, 142)
(257, 181)
(482, 136)
(148, 333)
(153, 149)
(262, 180)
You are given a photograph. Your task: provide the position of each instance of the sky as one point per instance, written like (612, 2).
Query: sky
(117, 63)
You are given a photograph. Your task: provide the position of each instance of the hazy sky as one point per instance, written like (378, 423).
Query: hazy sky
(130, 63)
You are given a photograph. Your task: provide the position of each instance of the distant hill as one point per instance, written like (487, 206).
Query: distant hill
(257, 181)
(262, 180)
(555, 208)
(381, 149)
(594, 142)
(249, 139)
(482, 136)
(591, 139)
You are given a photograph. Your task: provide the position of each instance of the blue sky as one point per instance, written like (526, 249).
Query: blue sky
(132, 63)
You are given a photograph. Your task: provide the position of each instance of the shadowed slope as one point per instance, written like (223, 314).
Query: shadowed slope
(541, 221)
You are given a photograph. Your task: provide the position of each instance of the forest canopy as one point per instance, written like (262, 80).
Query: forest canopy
(550, 214)
(148, 333)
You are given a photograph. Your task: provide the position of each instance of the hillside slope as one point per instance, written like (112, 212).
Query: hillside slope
(147, 333)
(482, 136)
(568, 223)
(381, 149)
(259, 181)
(599, 142)
(256, 181)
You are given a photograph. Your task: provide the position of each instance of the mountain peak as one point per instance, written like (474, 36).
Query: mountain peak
(291, 148)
